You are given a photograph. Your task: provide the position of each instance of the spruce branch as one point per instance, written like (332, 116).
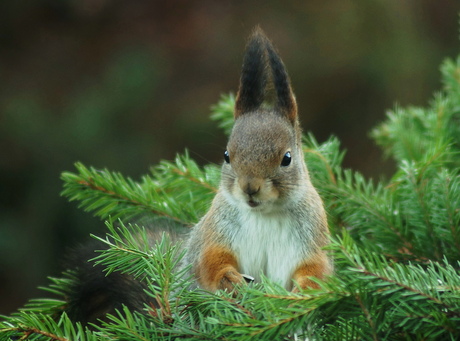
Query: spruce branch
(222, 112)
(179, 191)
(28, 332)
(38, 326)
(129, 326)
(411, 133)
(323, 160)
(132, 249)
(108, 193)
(369, 318)
(409, 293)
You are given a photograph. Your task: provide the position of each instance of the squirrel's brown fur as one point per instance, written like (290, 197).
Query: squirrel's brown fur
(267, 217)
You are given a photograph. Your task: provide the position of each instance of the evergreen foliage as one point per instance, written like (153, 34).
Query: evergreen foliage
(396, 245)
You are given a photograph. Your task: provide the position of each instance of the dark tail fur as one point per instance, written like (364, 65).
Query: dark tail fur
(264, 79)
(93, 294)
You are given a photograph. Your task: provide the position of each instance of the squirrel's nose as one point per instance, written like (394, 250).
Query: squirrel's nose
(250, 186)
(251, 190)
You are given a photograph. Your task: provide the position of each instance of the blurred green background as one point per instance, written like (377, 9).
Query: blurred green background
(123, 84)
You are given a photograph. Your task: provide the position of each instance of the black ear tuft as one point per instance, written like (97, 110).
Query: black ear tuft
(253, 76)
(285, 100)
(262, 67)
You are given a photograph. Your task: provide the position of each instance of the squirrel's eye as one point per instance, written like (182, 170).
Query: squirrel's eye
(286, 159)
(226, 156)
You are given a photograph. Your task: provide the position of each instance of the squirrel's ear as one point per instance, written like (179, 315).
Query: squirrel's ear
(285, 99)
(261, 66)
(253, 77)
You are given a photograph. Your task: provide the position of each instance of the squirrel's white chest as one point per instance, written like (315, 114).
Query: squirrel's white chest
(268, 245)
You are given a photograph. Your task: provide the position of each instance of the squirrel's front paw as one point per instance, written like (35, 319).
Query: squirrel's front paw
(229, 280)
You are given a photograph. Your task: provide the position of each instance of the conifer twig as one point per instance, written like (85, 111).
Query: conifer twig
(90, 184)
(28, 331)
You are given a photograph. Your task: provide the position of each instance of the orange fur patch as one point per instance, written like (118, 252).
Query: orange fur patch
(317, 267)
(218, 269)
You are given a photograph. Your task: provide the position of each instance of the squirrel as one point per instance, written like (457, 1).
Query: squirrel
(266, 218)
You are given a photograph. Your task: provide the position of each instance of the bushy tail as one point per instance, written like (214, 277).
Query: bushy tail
(93, 293)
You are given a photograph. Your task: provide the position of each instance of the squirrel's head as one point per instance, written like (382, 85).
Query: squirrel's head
(264, 167)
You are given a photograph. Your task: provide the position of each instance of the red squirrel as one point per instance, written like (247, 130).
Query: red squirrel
(266, 218)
